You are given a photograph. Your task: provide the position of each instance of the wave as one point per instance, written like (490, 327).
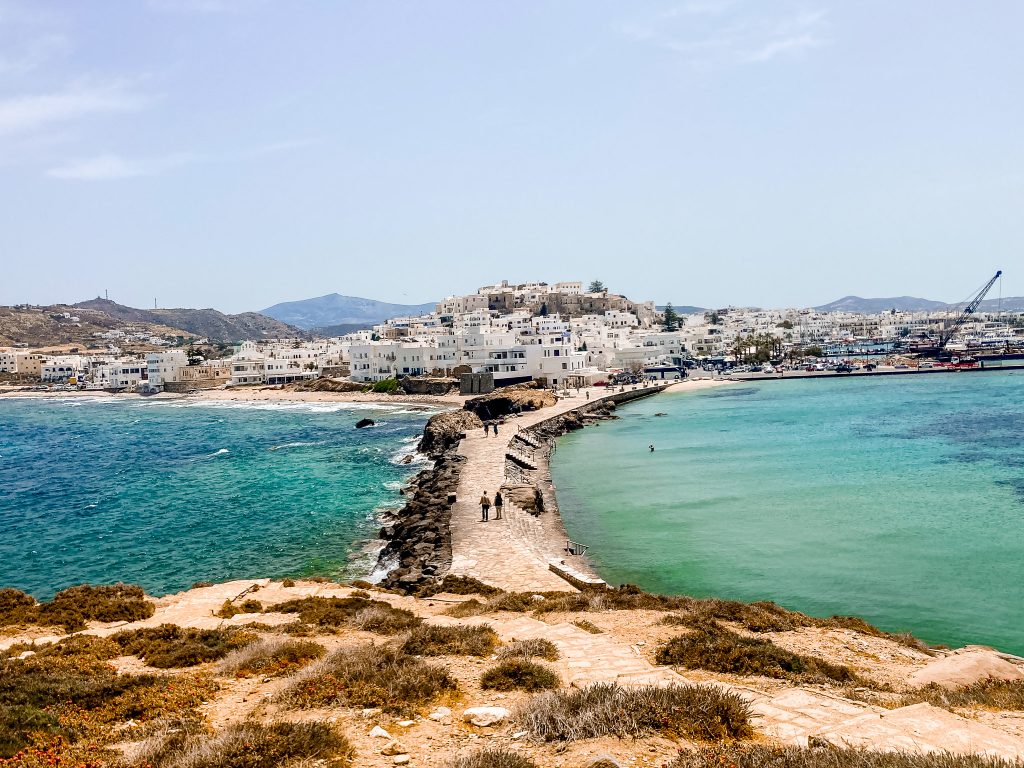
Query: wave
(297, 444)
(268, 405)
(393, 485)
(221, 452)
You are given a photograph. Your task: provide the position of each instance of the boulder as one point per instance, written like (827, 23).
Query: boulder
(364, 423)
(966, 667)
(444, 431)
(485, 716)
(394, 748)
(379, 733)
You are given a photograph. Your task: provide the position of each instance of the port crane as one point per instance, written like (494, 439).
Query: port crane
(950, 330)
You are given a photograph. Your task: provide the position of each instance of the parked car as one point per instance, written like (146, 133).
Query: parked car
(844, 368)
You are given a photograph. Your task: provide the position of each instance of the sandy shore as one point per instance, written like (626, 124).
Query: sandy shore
(253, 394)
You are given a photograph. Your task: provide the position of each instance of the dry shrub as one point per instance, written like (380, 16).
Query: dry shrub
(169, 645)
(66, 694)
(270, 657)
(288, 583)
(768, 756)
(327, 611)
(538, 647)
(458, 585)
(201, 584)
(432, 640)
(244, 745)
(714, 648)
(494, 757)
(588, 626)
(359, 593)
(386, 620)
(703, 712)
(466, 608)
(519, 674)
(369, 676)
(73, 607)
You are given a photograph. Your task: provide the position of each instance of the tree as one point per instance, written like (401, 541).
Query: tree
(544, 309)
(596, 286)
(671, 318)
(714, 318)
(787, 324)
(583, 347)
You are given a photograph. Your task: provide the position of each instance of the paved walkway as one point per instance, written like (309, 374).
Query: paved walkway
(511, 553)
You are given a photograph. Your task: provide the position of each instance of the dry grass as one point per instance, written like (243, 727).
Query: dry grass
(714, 648)
(170, 646)
(270, 657)
(765, 756)
(328, 613)
(700, 712)
(244, 745)
(539, 648)
(229, 609)
(688, 611)
(495, 757)
(369, 676)
(466, 608)
(992, 694)
(458, 585)
(432, 640)
(519, 674)
(386, 620)
(588, 626)
(73, 607)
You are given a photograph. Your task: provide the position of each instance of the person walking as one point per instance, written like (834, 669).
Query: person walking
(485, 507)
(495, 427)
(498, 504)
(487, 429)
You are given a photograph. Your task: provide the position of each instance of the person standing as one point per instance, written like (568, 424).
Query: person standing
(498, 504)
(485, 507)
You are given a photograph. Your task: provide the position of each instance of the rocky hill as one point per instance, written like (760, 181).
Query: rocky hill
(62, 324)
(208, 323)
(914, 304)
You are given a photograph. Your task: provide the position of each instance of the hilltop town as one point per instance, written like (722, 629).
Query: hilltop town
(562, 334)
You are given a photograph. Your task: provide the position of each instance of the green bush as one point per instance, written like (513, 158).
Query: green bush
(170, 646)
(519, 674)
(73, 607)
(387, 386)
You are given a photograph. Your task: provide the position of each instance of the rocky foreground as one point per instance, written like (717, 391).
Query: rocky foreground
(266, 672)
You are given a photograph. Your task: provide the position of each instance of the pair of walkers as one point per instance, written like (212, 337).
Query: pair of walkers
(489, 427)
(485, 507)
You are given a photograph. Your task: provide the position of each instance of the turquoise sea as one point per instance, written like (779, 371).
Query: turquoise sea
(898, 499)
(163, 493)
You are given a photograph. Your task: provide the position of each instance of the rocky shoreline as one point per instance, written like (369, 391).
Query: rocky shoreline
(418, 537)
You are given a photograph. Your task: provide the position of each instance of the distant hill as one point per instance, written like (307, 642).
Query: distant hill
(913, 304)
(341, 329)
(208, 323)
(335, 309)
(682, 309)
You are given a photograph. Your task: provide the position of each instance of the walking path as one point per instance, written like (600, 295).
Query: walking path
(512, 553)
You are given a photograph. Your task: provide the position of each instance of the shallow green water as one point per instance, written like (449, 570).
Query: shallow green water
(165, 493)
(899, 499)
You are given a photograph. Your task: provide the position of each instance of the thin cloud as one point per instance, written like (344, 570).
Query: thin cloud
(709, 35)
(110, 166)
(24, 114)
(113, 167)
(203, 6)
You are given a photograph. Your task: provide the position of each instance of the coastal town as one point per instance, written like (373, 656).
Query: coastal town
(562, 335)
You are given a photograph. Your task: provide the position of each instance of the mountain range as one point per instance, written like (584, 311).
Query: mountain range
(351, 312)
(914, 304)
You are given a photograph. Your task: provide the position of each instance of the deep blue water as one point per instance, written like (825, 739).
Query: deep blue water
(164, 493)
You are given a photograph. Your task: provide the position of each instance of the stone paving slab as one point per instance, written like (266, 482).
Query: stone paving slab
(922, 728)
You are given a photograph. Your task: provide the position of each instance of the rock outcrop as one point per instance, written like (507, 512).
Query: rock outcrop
(502, 402)
(444, 431)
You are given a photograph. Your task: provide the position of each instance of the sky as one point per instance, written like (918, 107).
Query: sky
(239, 153)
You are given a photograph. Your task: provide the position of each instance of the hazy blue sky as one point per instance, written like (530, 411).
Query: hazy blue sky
(237, 153)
